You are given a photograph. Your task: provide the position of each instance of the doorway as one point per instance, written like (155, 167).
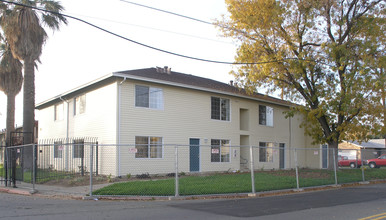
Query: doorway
(281, 156)
(324, 156)
(194, 152)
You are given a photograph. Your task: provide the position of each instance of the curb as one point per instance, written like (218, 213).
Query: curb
(15, 191)
(25, 192)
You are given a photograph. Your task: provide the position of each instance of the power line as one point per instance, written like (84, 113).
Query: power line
(145, 45)
(156, 29)
(168, 12)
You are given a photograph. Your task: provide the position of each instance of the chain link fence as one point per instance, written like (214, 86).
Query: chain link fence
(151, 168)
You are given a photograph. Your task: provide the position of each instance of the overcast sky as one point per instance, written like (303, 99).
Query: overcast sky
(78, 53)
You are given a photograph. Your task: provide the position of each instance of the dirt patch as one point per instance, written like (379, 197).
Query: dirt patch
(81, 181)
(303, 173)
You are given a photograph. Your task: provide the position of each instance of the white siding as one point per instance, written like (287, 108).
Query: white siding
(99, 121)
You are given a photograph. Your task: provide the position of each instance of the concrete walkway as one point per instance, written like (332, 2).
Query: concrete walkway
(76, 192)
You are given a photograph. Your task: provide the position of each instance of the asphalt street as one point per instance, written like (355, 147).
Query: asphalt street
(361, 202)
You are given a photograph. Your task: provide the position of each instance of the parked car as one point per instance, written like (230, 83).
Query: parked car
(377, 162)
(343, 161)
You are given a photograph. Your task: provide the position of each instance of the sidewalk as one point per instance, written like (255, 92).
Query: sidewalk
(82, 192)
(77, 192)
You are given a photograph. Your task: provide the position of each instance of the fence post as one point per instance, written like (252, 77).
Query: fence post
(82, 159)
(252, 170)
(6, 165)
(13, 161)
(34, 160)
(91, 166)
(296, 169)
(176, 193)
(96, 158)
(336, 177)
(363, 170)
(119, 160)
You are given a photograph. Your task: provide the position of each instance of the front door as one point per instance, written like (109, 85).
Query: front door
(324, 156)
(194, 150)
(281, 153)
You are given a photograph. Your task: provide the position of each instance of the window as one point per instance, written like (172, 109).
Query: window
(78, 148)
(148, 147)
(265, 152)
(265, 115)
(80, 105)
(220, 109)
(220, 150)
(58, 149)
(59, 111)
(149, 97)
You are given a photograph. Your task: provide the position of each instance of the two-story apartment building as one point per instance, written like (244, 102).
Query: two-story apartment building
(141, 112)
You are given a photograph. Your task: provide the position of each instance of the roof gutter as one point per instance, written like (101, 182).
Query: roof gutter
(196, 88)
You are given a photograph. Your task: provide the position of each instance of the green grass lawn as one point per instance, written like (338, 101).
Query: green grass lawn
(43, 175)
(2, 172)
(238, 183)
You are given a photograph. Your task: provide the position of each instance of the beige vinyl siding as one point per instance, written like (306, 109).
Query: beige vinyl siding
(276, 134)
(187, 114)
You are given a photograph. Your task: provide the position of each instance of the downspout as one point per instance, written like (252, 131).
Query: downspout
(290, 140)
(119, 126)
(67, 130)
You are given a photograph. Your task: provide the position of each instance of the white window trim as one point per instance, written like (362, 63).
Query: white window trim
(149, 158)
(140, 107)
(55, 115)
(56, 145)
(230, 111)
(267, 109)
(75, 113)
(230, 151)
(77, 145)
(267, 147)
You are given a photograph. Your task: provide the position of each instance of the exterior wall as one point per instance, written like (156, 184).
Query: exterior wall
(187, 114)
(111, 116)
(98, 120)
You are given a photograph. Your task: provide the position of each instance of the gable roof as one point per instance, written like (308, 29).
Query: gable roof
(167, 77)
(372, 143)
(162, 75)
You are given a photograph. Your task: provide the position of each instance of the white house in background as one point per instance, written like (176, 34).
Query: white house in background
(146, 110)
(370, 149)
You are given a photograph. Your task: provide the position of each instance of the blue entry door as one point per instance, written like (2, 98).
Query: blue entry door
(194, 150)
(325, 156)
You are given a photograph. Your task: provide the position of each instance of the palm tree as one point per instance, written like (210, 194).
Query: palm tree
(23, 29)
(11, 80)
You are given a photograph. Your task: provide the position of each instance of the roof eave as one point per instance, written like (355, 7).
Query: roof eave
(164, 82)
(64, 95)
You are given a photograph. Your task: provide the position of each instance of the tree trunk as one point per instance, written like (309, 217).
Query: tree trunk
(332, 150)
(28, 112)
(29, 102)
(10, 127)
